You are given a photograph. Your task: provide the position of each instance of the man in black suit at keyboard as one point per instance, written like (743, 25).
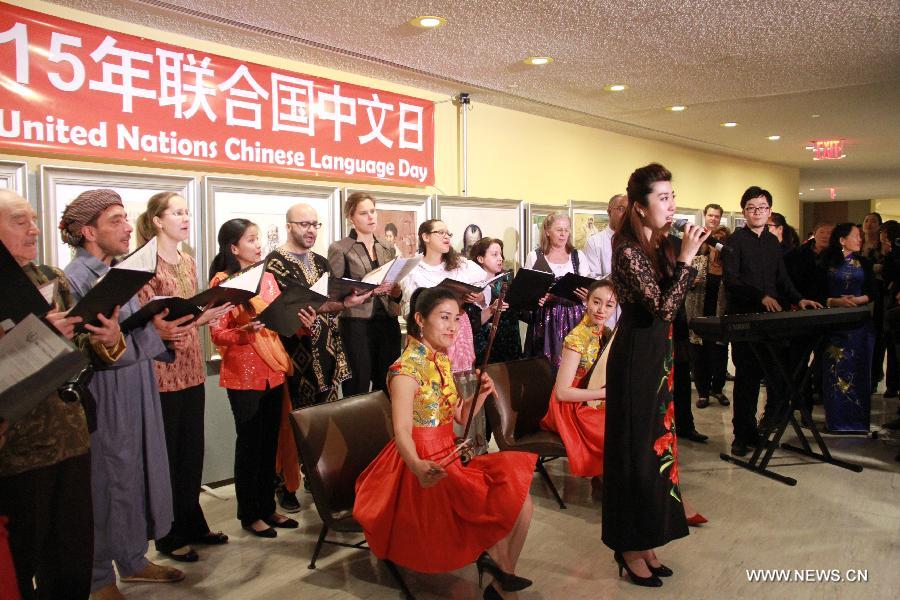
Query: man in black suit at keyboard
(756, 280)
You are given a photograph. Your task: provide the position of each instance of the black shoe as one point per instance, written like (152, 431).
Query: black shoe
(286, 524)
(287, 500)
(183, 554)
(696, 436)
(507, 581)
(660, 571)
(268, 532)
(490, 593)
(210, 538)
(893, 425)
(652, 581)
(739, 448)
(722, 398)
(890, 394)
(702, 402)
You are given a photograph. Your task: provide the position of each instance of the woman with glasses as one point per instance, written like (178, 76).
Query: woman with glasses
(371, 331)
(180, 383)
(441, 261)
(555, 317)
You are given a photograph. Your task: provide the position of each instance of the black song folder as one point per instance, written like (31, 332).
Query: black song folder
(527, 287)
(568, 283)
(20, 297)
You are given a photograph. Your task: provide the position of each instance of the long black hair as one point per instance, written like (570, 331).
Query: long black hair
(424, 301)
(230, 233)
(833, 255)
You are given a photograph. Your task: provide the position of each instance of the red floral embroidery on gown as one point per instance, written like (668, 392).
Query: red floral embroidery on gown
(580, 426)
(444, 527)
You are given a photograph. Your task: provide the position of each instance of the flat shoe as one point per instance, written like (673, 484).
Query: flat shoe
(288, 523)
(268, 532)
(211, 538)
(154, 573)
(188, 556)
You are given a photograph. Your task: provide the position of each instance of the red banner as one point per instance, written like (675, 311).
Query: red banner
(71, 88)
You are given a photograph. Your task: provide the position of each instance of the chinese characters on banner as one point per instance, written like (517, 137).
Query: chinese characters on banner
(67, 87)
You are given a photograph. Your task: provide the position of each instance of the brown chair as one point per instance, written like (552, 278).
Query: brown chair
(520, 401)
(336, 441)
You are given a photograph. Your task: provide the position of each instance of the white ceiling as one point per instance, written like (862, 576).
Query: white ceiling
(769, 65)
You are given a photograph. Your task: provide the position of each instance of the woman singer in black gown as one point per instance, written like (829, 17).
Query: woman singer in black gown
(642, 504)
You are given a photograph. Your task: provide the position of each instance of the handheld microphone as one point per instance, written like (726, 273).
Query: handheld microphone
(679, 226)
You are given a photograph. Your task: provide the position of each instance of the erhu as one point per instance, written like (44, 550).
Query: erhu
(465, 446)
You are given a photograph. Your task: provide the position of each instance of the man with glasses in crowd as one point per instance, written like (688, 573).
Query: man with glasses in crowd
(598, 249)
(756, 280)
(319, 361)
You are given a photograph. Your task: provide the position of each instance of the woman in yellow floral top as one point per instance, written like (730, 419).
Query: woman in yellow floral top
(581, 426)
(433, 518)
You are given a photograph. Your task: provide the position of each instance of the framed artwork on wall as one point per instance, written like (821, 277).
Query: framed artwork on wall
(399, 217)
(470, 219)
(61, 185)
(14, 176)
(588, 218)
(693, 215)
(266, 202)
(737, 220)
(535, 215)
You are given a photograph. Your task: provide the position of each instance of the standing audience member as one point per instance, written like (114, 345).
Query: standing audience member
(712, 216)
(756, 280)
(598, 249)
(45, 465)
(787, 235)
(555, 317)
(642, 504)
(707, 299)
(441, 261)
(130, 483)
(253, 369)
(890, 276)
(847, 360)
(871, 251)
(371, 329)
(180, 382)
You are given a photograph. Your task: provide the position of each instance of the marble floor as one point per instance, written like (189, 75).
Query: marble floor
(832, 519)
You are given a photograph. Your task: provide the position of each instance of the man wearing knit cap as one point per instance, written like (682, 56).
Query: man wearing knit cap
(129, 467)
(45, 464)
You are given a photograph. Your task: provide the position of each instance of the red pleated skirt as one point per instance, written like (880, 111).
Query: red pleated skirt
(444, 527)
(582, 430)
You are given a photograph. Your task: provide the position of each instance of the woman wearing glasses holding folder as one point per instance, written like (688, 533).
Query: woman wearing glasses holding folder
(418, 505)
(555, 317)
(254, 364)
(180, 382)
(371, 331)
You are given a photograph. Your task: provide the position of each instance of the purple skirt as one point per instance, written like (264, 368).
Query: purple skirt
(549, 326)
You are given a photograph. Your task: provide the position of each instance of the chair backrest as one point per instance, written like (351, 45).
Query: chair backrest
(336, 442)
(521, 397)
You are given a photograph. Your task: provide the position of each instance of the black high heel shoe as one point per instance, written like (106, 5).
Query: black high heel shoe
(652, 581)
(491, 593)
(661, 570)
(507, 581)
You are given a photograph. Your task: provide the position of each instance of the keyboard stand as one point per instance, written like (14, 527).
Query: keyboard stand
(794, 384)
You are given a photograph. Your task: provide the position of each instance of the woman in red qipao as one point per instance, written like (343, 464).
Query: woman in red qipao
(580, 425)
(432, 518)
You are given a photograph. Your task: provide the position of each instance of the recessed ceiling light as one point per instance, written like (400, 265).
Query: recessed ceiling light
(801, 193)
(428, 22)
(810, 147)
(616, 87)
(538, 60)
(815, 116)
(774, 138)
(729, 124)
(677, 108)
(812, 189)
